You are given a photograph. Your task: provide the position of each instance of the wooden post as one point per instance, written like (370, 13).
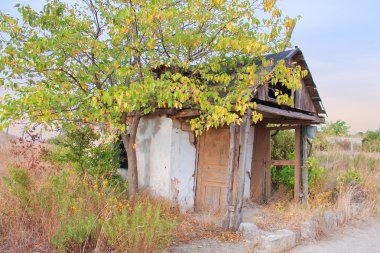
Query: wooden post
(244, 132)
(297, 164)
(258, 164)
(268, 174)
(230, 179)
(305, 169)
(196, 173)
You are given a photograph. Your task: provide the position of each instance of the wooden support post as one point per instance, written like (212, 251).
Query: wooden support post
(230, 178)
(244, 132)
(258, 164)
(305, 169)
(297, 164)
(268, 174)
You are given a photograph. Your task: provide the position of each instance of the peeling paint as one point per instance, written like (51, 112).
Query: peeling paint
(166, 160)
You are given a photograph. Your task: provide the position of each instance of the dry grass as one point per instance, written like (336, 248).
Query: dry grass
(358, 200)
(57, 211)
(191, 228)
(35, 225)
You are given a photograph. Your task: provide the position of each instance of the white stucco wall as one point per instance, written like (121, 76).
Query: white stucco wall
(153, 151)
(166, 160)
(183, 169)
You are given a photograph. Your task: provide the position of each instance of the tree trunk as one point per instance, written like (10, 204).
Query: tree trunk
(129, 141)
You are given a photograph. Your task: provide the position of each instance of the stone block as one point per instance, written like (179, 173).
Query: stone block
(329, 221)
(340, 217)
(355, 210)
(309, 230)
(278, 241)
(250, 231)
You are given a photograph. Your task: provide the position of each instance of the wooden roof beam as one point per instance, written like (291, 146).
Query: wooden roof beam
(288, 113)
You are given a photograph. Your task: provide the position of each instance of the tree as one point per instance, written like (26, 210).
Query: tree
(109, 62)
(337, 128)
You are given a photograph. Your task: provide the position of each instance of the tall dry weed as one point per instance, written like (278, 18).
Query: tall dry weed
(50, 209)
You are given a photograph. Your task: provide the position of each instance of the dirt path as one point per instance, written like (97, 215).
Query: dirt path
(363, 238)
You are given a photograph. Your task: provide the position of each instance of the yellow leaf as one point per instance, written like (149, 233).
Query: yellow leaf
(216, 2)
(229, 25)
(151, 44)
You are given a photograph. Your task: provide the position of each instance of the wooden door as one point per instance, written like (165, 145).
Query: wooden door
(211, 194)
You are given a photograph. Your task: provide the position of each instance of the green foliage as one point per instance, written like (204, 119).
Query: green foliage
(285, 176)
(75, 231)
(371, 142)
(282, 145)
(350, 177)
(68, 65)
(317, 176)
(337, 128)
(139, 230)
(76, 147)
(19, 184)
(98, 162)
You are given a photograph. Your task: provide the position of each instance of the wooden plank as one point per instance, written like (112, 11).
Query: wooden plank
(186, 113)
(258, 164)
(286, 113)
(291, 121)
(196, 170)
(244, 132)
(282, 162)
(230, 178)
(297, 99)
(305, 169)
(236, 165)
(212, 170)
(268, 174)
(282, 128)
(297, 165)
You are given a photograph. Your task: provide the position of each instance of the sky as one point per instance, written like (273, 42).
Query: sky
(340, 40)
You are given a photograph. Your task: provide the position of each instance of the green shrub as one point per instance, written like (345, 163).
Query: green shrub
(19, 184)
(282, 144)
(350, 177)
(75, 230)
(142, 229)
(371, 146)
(98, 163)
(317, 176)
(285, 175)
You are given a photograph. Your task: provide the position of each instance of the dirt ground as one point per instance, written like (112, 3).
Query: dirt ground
(363, 237)
(358, 238)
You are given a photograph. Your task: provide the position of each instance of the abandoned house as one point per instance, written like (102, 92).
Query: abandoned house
(223, 167)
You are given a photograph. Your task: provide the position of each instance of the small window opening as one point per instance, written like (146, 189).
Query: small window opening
(281, 88)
